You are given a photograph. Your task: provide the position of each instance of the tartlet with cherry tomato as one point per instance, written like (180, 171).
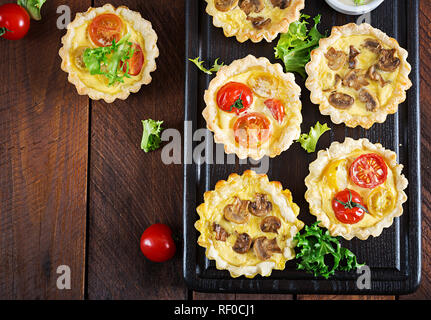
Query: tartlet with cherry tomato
(356, 188)
(253, 108)
(109, 52)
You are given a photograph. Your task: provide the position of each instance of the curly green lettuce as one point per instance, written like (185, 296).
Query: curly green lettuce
(359, 2)
(315, 245)
(151, 138)
(309, 141)
(216, 66)
(33, 7)
(294, 47)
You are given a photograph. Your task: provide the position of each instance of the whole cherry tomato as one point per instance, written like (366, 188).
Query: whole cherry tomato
(104, 28)
(14, 21)
(234, 97)
(348, 206)
(369, 170)
(157, 243)
(252, 129)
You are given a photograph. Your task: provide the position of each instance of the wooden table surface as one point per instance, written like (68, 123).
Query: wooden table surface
(75, 188)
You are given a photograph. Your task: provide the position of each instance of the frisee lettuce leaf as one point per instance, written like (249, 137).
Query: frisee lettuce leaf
(309, 141)
(216, 66)
(314, 245)
(33, 7)
(294, 47)
(359, 2)
(151, 135)
(108, 60)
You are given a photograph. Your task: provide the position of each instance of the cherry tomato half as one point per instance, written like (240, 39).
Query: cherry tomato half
(252, 129)
(105, 28)
(136, 61)
(348, 206)
(277, 109)
(14, 21)
(231, 93)
(368, 170)
(157, 243)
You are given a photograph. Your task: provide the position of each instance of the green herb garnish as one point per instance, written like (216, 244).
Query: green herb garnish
(151, 135)
(350, 204)
(33, 7)
(309, 141)
(315, 245)
(359, 2)
(108, 60)
(216, 66)
(294, 47)
(237, 104)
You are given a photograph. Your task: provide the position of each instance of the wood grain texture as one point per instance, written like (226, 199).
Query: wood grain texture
(424, 291)
(131, 189)
(43, 166)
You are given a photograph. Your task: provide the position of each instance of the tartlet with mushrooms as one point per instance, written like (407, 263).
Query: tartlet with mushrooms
(247, 225)
(358, 75)
(254, 19)
(356, 188)
(109, 52)
(253, 108)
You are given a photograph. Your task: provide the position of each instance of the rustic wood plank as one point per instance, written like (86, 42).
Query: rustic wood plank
(424, 291)
(131, 189)
(43, 166)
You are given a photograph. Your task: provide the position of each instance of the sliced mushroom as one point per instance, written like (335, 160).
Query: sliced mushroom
(263, 84)
(341, 100)
(259, 22)
(355, 79)
(249, 6)
(282, 4)
(336, 59)
(225, 5)
(371, 102)
(353, 53)
(261, 206)
(264, 248)
(372, 45)
(237, 212)
(242, 243)
(221, 233)
(387, 60)
(337, 82)
(270, 224)
(373, 74)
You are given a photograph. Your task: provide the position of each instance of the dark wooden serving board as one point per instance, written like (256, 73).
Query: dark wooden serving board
(394, 256)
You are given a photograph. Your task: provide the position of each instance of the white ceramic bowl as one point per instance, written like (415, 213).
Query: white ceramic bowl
(342, 7)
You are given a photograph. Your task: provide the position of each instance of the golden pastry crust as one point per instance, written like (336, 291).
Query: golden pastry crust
(283, 207)
(319, 97)
(133, 19)
(243, 29)
(292, 126)
(314, 199)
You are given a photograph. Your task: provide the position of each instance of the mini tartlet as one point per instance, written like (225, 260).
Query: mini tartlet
(358, 75)
(254, 19)
(356, 188)
(91, 30)
(247, 225)
(253, 108)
